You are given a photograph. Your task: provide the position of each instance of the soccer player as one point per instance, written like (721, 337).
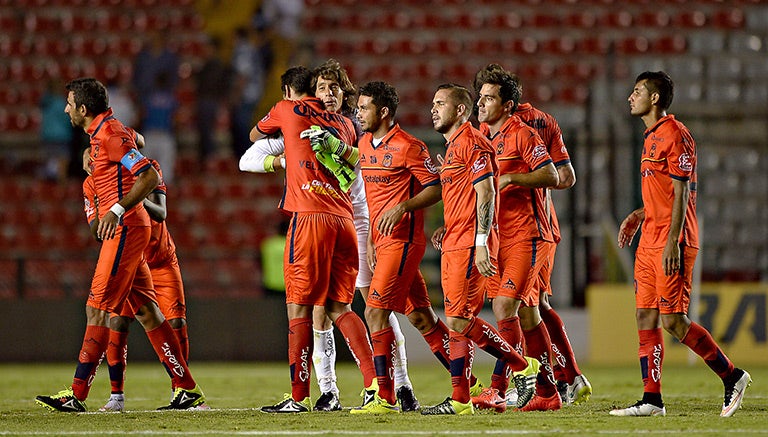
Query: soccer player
(400, 180)
(524, 168)
(574, 387)
(667, 249)
(321, 248)
(166, 278)
(467, 242)
(122, 179)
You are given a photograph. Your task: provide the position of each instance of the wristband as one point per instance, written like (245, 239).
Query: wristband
(481, 240)
(282, 162)
(117, 210)
(269, 165)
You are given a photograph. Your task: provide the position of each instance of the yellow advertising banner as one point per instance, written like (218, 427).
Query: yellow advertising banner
(734, 313)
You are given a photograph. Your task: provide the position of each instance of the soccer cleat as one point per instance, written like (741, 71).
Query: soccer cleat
(579, 391)
(376, 406)
(734, 391)
(184, 399)
(640, 408)
(328, 401)
(490, 399)
(407, 399)
(64, 400)
(511, 397)
(525, 381)
(288, 405)
(449, 406)
(476, 389)
(116, 403)
(539, 403)
(369, 393)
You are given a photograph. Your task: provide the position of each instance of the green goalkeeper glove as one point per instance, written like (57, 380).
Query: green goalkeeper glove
(343, 173)
(323, 141)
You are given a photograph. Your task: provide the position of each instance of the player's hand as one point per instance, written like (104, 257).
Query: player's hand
(437, 238)
(107, 226)
(390, 218)
(483, 261)
(629, 227)
(671, 258)
(322, 140)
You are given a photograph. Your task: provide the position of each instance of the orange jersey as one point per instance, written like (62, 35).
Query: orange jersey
(309, 186)
(116, 164)
(161, 248)
(549, 131)
(469, 159)
(89, 199)
(395, 170)
(523, 211)
(669, 152)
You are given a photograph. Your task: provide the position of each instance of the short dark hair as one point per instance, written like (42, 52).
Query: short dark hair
(509, 84)
(332, 70)
(382, 94)
(298, 78)
(659, 82)
(91, 93)
(459, 94)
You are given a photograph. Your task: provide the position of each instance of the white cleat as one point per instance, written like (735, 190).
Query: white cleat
(579, 391)
(734, 393)
(639, 409)
(115, 404)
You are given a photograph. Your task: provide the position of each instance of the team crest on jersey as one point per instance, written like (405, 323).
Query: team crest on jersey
(430, 166)
(500, 148)
(539, 151)
(684, 162)
(480, 164)
(387, 160)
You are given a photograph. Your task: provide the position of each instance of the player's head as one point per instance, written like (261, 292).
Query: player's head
(296, 80)
(87, 98)
(502, 84)
(659, 86)
(376, 104)
(332, 85)
(451, 106)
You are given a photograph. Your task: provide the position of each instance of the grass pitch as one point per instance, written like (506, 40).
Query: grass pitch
(693, 397)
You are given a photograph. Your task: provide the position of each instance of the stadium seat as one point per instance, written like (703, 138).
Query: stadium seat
(690, 19)
(729, 18)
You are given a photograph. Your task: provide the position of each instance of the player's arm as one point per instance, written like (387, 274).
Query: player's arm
(156, 206)
(264, 156)
(146, 181)
(486, 198)
(543, 177)
(391, 217)
(629, 227)
(566, 175)
(671, 254)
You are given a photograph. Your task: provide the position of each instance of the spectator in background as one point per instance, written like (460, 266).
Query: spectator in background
(211, 81)
(159, 111)
(154, 59)
(55, 131)
(123, 100)
(249, 65)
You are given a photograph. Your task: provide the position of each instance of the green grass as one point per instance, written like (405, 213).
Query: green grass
(693, 396)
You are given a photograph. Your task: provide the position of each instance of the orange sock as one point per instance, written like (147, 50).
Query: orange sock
(437, 339)
(384, 346)
(488, 339)
(300, 356)
(355, 334)
(168, 350)
(462, 354)
(651, 353)
(540, 346)
(701, 342)
(92, 352)
(117, 357)
(183, 336)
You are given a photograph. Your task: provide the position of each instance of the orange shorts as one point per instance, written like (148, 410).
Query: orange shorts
(320, 259)
(397, 284)
(463, 285)
(545, 274)
(668, 294)
(519, 267)
(121, 272)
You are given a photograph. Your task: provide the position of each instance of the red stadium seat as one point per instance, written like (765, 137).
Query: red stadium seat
(729, 18)
(690, 18)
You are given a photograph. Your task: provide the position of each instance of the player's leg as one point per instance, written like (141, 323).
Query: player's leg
(651, 342)
(169, 291)
(117, 357)
(674, 307)
(324, 361)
